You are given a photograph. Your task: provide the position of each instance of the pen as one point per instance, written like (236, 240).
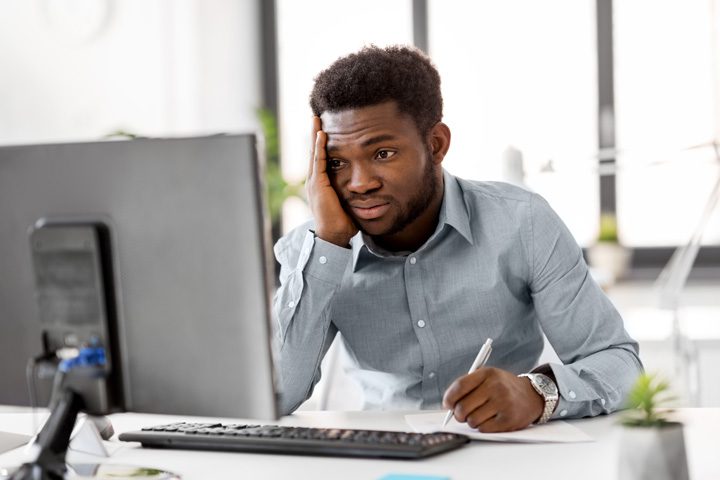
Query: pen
(480, 360)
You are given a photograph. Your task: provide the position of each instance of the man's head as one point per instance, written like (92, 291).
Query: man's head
(376, 75)
(381, 111)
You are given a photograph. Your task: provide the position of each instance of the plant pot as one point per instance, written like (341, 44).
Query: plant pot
(608, 258)
(653, 453)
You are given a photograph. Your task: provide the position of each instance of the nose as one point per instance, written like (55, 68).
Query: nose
(363, 179)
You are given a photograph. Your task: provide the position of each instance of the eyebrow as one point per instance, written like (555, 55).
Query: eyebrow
(367, 143)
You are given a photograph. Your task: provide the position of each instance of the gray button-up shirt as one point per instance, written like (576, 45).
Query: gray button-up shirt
(501, 264)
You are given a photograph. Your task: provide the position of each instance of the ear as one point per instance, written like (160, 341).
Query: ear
(439, 141)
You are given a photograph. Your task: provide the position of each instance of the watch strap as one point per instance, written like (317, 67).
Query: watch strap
(549, 399)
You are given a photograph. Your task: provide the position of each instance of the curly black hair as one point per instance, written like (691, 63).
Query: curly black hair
(375, 75)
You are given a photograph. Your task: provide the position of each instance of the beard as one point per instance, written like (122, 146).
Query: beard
(420, 202)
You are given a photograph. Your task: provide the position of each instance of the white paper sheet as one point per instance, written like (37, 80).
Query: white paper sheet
(555, 431)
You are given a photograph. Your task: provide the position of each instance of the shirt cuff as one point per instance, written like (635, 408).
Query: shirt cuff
(327, 261)
(574, 394)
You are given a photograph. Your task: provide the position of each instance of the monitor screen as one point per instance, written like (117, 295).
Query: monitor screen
(191, 259)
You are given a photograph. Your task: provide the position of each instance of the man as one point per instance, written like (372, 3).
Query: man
(417, 268)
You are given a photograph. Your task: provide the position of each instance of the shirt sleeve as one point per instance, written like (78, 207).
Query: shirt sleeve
(311, 272)
(600, 360)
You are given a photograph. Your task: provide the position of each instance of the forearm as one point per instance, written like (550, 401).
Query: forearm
(302, 308)
(600, 360)
(596, 384)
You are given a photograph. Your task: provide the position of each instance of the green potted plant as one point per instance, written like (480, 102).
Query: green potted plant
(652, 446)
(608, 256)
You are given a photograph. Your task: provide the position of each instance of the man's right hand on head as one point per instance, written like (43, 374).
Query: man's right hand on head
(332, 223)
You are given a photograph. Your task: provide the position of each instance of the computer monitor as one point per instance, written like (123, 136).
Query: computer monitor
(190, 250)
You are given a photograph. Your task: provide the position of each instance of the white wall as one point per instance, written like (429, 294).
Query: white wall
(82, 69)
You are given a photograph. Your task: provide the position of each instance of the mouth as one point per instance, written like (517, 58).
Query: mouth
(370, 212)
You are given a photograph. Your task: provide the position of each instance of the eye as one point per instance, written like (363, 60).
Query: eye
(335, 164)
(384, 154)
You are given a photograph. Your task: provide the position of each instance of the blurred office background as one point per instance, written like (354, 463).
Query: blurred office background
(601, 106)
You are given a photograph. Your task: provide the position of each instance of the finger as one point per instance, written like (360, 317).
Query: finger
(471, 402)
(316, 127)
(480, 417)
(320, 155)
(462, 386)
(500, 422)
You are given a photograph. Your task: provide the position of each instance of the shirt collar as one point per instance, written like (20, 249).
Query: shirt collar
(453, 212)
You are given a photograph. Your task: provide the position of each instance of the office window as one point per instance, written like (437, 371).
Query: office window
(153, 68)
(522, 74)
(667, 100)
(311, 35)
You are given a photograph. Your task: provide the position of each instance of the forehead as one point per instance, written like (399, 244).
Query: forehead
(352, 124)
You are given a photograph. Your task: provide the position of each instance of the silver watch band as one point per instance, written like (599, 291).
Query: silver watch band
(547, 411)
(547, 389)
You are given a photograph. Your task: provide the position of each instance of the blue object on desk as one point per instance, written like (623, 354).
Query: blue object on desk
(402, 476)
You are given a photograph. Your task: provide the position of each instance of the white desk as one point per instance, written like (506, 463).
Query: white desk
(596, 460)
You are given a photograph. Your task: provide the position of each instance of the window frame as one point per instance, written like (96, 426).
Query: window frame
(644, 258)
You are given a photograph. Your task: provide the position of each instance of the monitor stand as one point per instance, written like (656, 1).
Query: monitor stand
(52, 445)
(53, 441)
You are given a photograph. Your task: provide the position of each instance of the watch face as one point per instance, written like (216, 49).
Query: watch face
(545, 384)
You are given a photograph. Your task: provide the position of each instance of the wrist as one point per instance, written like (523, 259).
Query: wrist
(341, 240)
(546, 388)
(546, 369)
(538, 401)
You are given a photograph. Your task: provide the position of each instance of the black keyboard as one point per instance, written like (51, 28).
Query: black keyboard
(296, 440)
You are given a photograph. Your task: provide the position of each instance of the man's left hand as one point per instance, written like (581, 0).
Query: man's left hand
(494, 400)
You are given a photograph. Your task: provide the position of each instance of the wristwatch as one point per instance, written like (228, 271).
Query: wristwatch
(544, 386)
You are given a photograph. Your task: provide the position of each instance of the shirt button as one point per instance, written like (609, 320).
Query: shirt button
(431, 375)
(323, 259)
(291, 304)
(413, 260)
(563, 413)
(421, 323)
(571, 394)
